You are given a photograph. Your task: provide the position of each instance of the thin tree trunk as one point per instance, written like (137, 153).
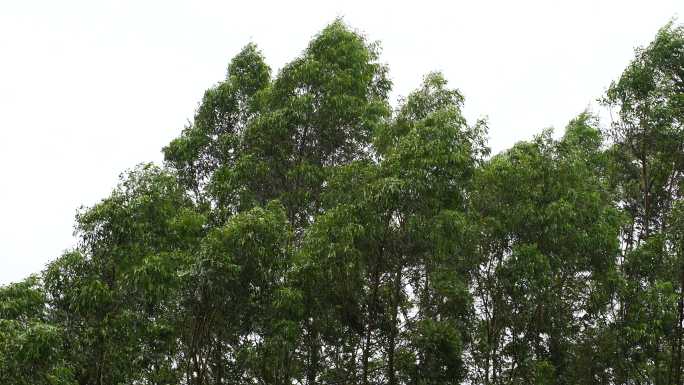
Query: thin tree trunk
(312, 364)
(391, 374)
(218, 364)
(369, 326)
(676, 363)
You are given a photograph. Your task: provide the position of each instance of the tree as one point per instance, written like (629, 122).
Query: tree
(549, 239)
(301, 231)
(646, 169)
(30, 345)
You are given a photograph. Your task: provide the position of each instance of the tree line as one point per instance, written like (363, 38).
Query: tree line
(302, 230)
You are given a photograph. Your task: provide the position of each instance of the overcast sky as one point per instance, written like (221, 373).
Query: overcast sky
(91, 88)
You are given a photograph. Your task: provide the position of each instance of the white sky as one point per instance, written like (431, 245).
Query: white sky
(91, 88)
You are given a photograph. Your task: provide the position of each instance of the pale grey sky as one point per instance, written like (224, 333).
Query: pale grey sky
(91, 88)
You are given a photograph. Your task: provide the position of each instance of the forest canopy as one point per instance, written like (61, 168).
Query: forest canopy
(304, 230)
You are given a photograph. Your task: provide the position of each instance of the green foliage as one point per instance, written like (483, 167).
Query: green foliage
(30, 345)
(303, 232)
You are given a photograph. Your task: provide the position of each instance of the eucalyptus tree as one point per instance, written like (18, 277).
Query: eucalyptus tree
(647, 170)
(115, 295)
(30, 344)
(302, 231)
(397, 306)
(256, 140)
(548, 239)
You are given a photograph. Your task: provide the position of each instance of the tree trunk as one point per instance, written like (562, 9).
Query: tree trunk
(371, 314)
(312, 364)
(676, 364)
(391, 372)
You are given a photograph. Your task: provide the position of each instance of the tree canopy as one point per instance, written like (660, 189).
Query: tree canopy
(303, 230)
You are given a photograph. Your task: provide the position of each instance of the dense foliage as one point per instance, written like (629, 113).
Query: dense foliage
(303, 231)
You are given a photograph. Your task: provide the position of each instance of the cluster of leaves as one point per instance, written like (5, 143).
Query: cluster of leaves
(302, 231)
